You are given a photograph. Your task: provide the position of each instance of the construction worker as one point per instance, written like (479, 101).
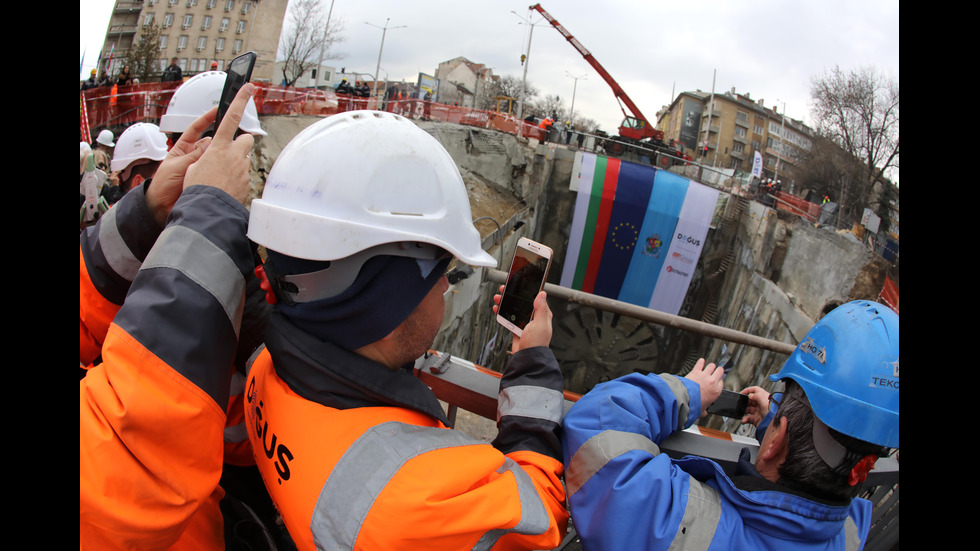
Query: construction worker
(240, 477)
(161, 286)
(90, 82)
(354, 448)
(195, 97)
(838, 414)
(140, 150)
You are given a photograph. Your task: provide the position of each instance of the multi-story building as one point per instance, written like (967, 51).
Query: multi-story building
(726, 129)
(198, 32)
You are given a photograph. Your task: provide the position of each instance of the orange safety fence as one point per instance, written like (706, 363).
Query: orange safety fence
(889, 294)
(801, 207)
(124, 105)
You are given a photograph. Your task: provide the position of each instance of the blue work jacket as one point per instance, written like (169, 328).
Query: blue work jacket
(623, 493)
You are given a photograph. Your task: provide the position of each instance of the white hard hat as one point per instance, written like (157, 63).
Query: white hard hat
(360, 179)
(105, 138)
(142, 140)
(196, 97)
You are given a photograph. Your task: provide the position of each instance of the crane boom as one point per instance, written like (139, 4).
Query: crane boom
(638, 129)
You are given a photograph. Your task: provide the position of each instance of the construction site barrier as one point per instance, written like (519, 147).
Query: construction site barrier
(120, 106)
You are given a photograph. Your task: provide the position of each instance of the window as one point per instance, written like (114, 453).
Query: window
(739, 131)
(207, 23)
(168, 20)
(148, 20)
(182, 42)
(163, 42)
(191, 3)
(757, 129)
(224, 24)
(245, 7)
(741, 117)
(229, 5)
(172, 2)
(241, 27)
(238, 46)
(193, 65)
(188, 20)
(202, 42)
(211, 3)
(738, 148)
(219, 45)
(183, 64)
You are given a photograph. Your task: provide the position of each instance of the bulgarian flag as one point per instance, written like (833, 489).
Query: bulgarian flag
(637, 232)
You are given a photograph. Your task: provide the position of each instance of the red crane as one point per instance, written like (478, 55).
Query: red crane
(635, 126)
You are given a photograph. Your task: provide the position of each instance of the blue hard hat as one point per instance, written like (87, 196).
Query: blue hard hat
(847, 365)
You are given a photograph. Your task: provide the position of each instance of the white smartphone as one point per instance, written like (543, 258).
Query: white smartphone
(528, 272)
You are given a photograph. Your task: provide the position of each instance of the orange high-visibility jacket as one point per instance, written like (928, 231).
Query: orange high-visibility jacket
(152, 413)
(357, 456)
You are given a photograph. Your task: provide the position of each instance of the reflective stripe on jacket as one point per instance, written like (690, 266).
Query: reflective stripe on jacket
(624, 494)
(152, 413)
(378, 475)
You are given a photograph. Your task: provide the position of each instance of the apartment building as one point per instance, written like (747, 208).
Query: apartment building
(198, 32)
(726, 129)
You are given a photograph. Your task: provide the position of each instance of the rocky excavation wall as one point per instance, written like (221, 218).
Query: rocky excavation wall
(764, 272)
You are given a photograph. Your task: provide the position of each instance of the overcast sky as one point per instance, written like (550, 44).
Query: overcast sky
(655, 49)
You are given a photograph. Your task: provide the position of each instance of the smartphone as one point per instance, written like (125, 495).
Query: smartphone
(528, 272)
(730, 404)
(239, 72)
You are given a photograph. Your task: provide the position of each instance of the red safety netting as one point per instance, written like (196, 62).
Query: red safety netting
(124, 105)
(889, 294)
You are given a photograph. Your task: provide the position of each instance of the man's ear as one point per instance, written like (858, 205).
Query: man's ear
(778, 445)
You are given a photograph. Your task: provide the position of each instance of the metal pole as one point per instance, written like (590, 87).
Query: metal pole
(654, 316)
(326, 29)
(384, 31)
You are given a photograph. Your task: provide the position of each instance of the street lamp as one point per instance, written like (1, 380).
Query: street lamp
(384, 31)
(527, 58)
(571, 111)
(326, 29)
(782, 129)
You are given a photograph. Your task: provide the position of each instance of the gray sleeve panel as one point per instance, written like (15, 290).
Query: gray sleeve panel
(701, 518)
(683, 399)
(597, 451)
(852, 539)
(534, 516)
(531, 401)
(117, 253)
(373, 460)
(204, 263)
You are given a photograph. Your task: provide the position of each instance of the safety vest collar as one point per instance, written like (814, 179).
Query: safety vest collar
(335, 377)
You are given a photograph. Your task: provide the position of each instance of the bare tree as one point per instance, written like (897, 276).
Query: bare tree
(859, 111)
(306, 35)
(144, 52)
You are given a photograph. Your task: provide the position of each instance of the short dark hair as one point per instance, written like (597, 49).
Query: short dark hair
(804, 469)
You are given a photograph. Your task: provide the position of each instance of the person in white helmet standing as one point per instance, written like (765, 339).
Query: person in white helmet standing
(354, 449)
(138, 154)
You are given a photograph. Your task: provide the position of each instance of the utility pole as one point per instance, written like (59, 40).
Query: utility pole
(384, 31)
(326, 33)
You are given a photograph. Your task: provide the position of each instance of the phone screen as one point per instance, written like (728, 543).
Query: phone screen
(239, 72)
(525, 280)
(730, 404)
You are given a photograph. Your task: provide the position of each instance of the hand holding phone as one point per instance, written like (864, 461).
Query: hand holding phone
(730, 404)
(528, 272)
(239, 72)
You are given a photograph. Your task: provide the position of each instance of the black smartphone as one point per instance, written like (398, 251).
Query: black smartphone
(239, 72)
(730, 404)
(526, 278)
